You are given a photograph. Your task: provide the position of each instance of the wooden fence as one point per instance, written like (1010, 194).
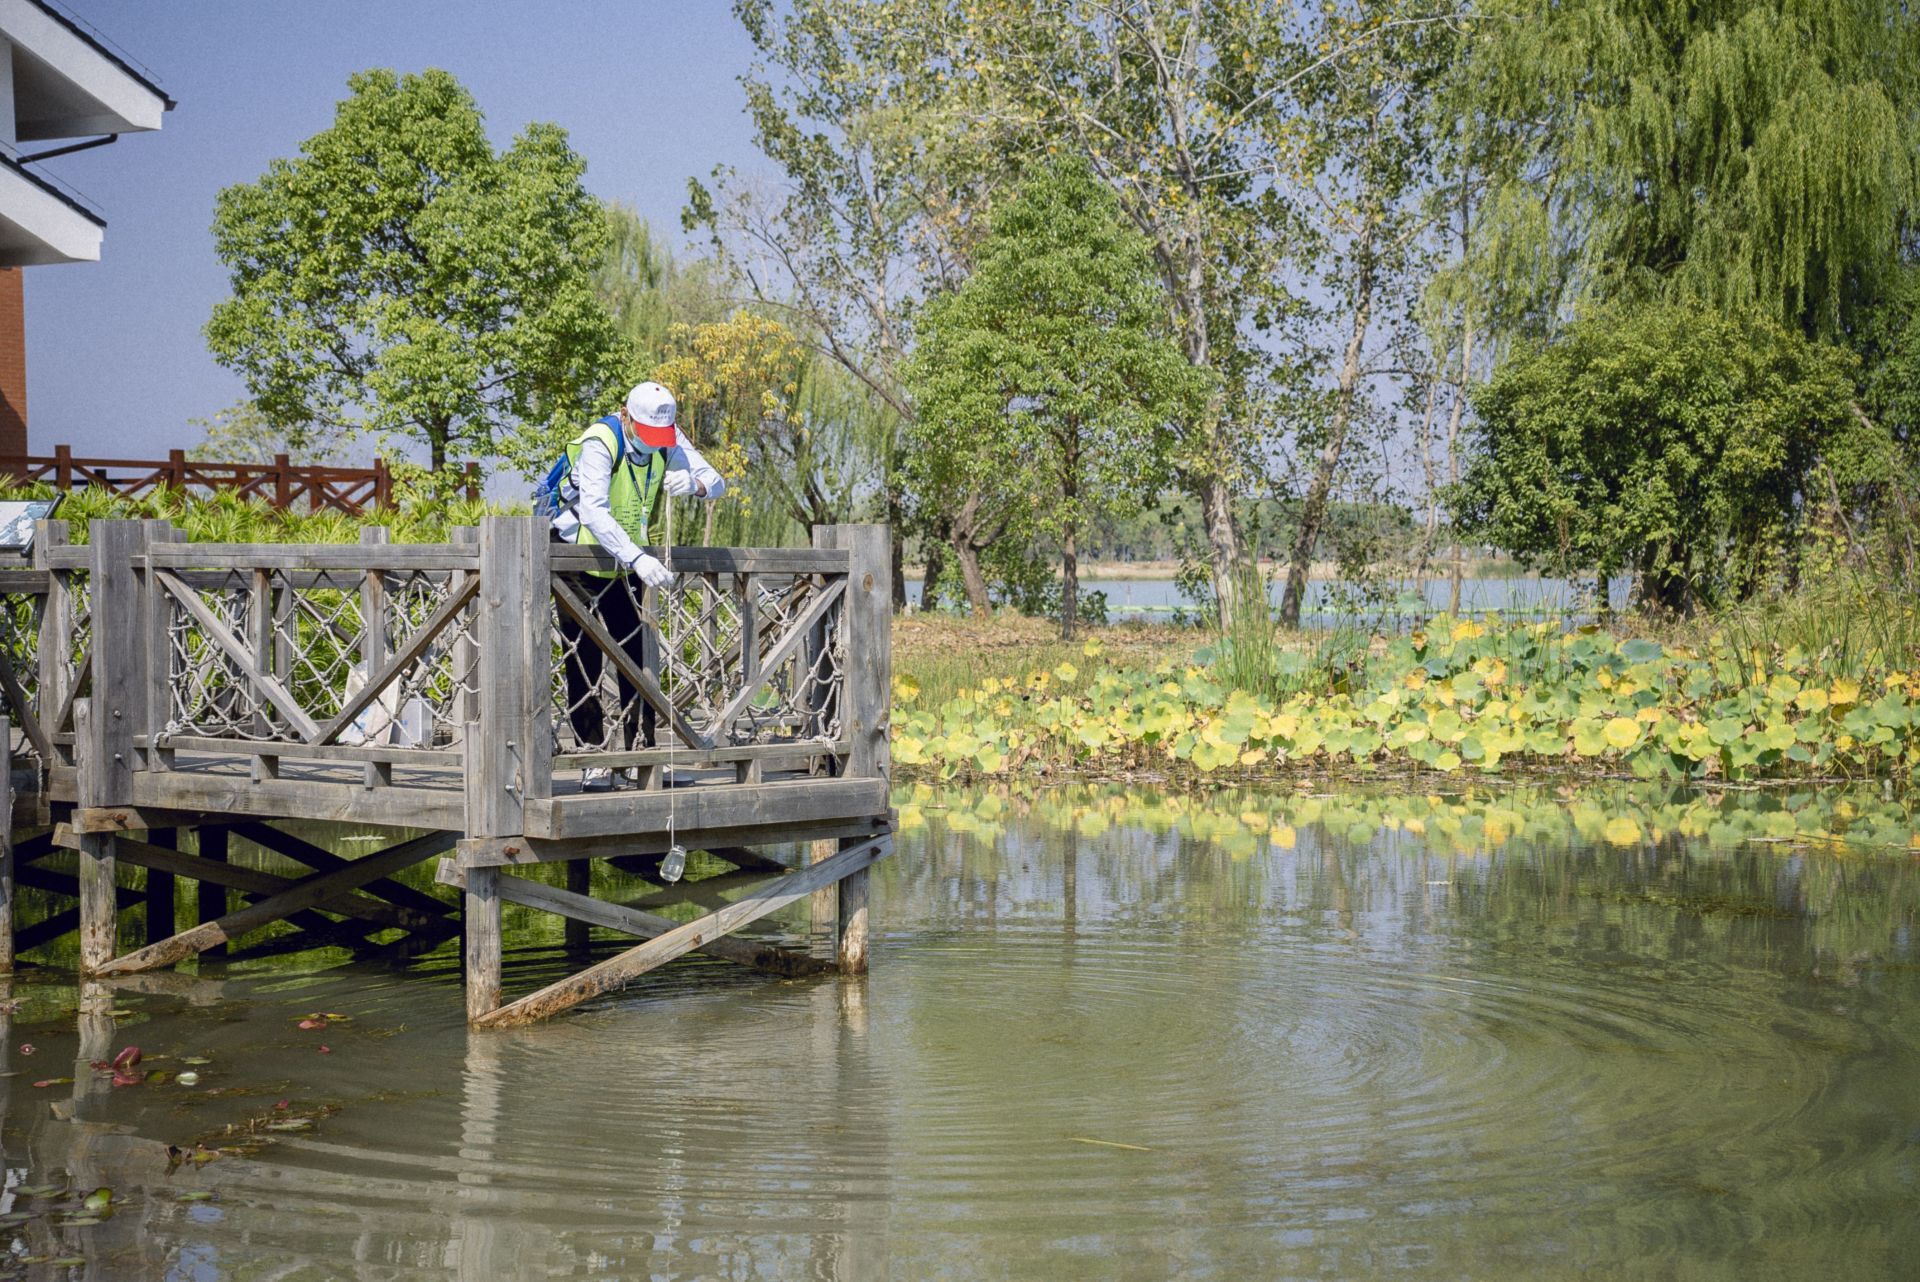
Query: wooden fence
(281, 484)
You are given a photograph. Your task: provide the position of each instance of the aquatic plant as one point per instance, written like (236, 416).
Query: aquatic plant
(1458, 695)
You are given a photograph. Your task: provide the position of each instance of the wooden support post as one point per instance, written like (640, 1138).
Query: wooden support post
(6, 845)
(865, 700)
(480, 903)
(579, 882)
(213, 895)
(851, 945)
(99, 906)
(509, 750)
(161, 908)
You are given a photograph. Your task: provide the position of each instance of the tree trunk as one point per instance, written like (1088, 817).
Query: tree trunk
(1226, 557)
(964, 534)
(896, 528)
(1456, 572)
(437, 434)
(1313, 512)
(935, 557)
(1069, 551)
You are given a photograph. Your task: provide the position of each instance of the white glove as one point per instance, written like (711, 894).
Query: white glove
(651, 572)
(679, 484)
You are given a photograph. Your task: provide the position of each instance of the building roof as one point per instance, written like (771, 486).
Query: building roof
(106, 50)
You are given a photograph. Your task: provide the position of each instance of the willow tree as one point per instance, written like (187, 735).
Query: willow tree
(1744, 154)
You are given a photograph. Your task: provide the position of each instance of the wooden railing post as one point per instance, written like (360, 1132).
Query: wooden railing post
(6, 846)
(63, 467)
(382, 486)
(120, 624)
(156, 658)
(509, 749)
(866, 691)
(176, 469)
(56, 632)
(282, 483)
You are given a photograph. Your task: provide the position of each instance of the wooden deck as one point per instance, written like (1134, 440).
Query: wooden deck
(156, 688)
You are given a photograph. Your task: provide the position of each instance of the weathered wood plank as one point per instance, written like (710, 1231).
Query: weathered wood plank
(308, 892)
(773, 754)
(509, 852)
(131, 818)
(312, 556)
(867, 682)
(852, 936)
(732, 806)
(682, 939)
(584, 910)
(396, 807)
(355, 753)
(99, 902)
(119, 694)
(713, 560)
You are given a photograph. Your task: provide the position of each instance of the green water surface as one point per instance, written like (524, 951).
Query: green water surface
(1110, 1032)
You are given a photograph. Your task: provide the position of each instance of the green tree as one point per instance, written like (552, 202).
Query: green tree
(1746, 154)
(399, 277)
(1672, 441)
(1051, 376)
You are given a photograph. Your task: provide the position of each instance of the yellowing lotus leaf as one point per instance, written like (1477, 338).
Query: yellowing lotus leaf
(1621, 831)
(1623, 732)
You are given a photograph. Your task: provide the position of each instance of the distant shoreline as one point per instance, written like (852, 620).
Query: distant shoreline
(1155, 571)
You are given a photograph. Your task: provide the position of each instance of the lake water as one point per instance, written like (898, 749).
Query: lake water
(1161, 598)
(1109, 1033)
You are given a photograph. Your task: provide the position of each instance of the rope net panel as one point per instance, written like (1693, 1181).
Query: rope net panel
(732, 683)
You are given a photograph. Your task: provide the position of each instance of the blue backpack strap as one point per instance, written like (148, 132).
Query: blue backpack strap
(619, 438)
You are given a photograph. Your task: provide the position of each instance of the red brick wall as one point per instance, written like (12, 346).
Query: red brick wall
(13, 364)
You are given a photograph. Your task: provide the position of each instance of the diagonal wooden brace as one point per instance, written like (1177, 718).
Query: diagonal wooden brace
(631, 921)
(305, 893)
(305, 852)
(259, 885)
(238, 654)
(769, 897)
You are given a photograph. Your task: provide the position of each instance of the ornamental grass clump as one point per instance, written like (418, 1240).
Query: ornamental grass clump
(1458, 695)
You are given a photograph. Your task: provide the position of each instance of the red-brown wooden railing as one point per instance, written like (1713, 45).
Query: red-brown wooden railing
(281, 484)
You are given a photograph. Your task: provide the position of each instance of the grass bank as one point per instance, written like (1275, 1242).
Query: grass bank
(1459, 696)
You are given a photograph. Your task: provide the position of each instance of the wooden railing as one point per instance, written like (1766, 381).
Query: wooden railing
(280, 484)
(500, 655)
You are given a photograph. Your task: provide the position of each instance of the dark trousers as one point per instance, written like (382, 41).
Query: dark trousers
(585, 661)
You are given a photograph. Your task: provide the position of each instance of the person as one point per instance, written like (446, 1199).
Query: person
(619, 480)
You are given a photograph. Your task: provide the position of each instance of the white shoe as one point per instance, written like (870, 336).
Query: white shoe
(596, 779)
(631, 776)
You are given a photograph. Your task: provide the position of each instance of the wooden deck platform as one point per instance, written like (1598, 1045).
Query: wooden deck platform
(155, 688)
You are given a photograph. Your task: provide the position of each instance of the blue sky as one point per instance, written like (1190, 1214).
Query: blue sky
(116, 366)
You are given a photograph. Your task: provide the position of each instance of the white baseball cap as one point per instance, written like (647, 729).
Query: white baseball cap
(652, 405)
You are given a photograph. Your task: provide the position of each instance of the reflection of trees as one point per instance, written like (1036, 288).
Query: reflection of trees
(1657, 866)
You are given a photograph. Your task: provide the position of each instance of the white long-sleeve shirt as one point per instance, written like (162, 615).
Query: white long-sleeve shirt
(594, 475)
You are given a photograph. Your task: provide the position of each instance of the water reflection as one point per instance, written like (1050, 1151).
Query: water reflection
(1113, 1032)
